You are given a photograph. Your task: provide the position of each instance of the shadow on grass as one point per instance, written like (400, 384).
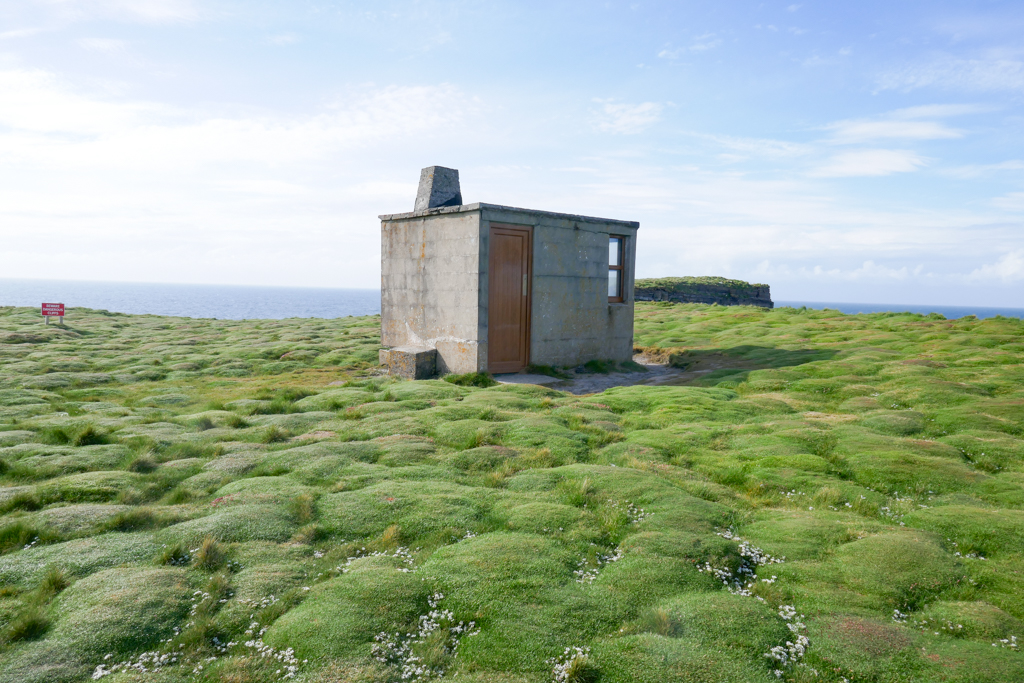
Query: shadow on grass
(708, 367)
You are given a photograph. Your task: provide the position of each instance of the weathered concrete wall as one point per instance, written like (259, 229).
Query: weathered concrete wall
(430, 276)
(572, 320)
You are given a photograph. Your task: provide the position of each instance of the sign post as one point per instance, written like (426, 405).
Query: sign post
(53, 310)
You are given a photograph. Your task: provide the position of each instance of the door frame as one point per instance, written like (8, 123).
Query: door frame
(528, 316)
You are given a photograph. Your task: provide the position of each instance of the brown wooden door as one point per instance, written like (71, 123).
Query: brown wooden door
(508, 305)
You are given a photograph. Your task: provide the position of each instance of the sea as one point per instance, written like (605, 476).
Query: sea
(231, 302)
(950, 312)
(226, 302)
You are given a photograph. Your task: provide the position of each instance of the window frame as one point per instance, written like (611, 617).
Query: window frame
(621, 268)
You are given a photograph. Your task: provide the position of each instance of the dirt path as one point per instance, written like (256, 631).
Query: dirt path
(657, 374)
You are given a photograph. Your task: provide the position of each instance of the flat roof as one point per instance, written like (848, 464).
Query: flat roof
(467, 208)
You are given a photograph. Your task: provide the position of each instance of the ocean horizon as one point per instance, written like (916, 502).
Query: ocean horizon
(950, 312)
(228, 302)
(248, 302)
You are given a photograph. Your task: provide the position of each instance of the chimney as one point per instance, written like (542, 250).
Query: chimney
(439, 186)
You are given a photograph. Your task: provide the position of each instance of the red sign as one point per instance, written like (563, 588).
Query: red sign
(53, 309)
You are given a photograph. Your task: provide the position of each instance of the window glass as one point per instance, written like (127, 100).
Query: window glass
(613, 283)
(615, 251)
(616, 278)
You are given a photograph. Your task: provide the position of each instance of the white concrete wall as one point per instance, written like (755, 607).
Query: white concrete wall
(430, 276)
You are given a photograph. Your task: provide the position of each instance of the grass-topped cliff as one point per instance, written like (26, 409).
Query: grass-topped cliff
(698, 281)
(842, 499)
(703, 290)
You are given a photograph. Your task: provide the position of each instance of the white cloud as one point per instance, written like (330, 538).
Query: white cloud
(108, 46)
(1009, 268)
(627, 119)
(141, 190)
(868, 271)
(146, 11)
(854, 131)
(905, 124)
(870, 162)
(19, 33)
(261, 186)
(154, 192)
(990, 74)
(987, 24)
(53, 125)
(874, 271)
(37, 101)
(701, 43)
(283, 39)
(808, 240)
(760, 147)
(978, 170)
(940, 111)
(1014, 201)
(705, 42)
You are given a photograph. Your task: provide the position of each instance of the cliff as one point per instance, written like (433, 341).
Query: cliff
(704, 290)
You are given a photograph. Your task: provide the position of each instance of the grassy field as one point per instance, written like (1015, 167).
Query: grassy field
(841, 500)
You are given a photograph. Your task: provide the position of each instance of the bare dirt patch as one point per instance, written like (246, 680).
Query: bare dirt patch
(660, 370)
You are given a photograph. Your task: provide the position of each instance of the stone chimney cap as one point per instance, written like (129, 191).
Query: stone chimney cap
(439, 186)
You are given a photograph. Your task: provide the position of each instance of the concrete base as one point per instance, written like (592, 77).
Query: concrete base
(411, 362)
(525, 378)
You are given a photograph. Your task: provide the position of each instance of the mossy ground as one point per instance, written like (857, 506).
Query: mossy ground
(192, 487)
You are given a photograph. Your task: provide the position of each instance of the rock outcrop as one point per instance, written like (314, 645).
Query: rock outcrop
(704, 290)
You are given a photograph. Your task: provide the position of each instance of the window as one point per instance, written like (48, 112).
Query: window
(616, 274)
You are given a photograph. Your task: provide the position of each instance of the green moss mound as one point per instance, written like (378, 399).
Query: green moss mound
(904, 568)
(724, 620)
(121, 610)
(651, 658)
(341, 617)
(175, 485)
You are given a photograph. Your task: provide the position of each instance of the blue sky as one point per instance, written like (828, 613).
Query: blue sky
(869, 151)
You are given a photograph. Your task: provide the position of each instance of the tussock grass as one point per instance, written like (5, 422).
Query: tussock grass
(138, 519)
(210, 555)
(175, 555)
(54, 581)
(302, 508)
(179, 495)
(20, 534)
(23, 500)
(273, 434)
(84, 435)
(30, 624)
(209, 474)
(472, 379)
(236, 422)
(143, 464)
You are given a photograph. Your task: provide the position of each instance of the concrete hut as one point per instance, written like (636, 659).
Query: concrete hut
(489, 288)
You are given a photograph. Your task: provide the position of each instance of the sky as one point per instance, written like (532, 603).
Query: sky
(849, 152)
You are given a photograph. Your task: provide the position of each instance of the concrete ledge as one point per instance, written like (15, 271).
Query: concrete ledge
(525, 378)
(478, 206)
(411, 362)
